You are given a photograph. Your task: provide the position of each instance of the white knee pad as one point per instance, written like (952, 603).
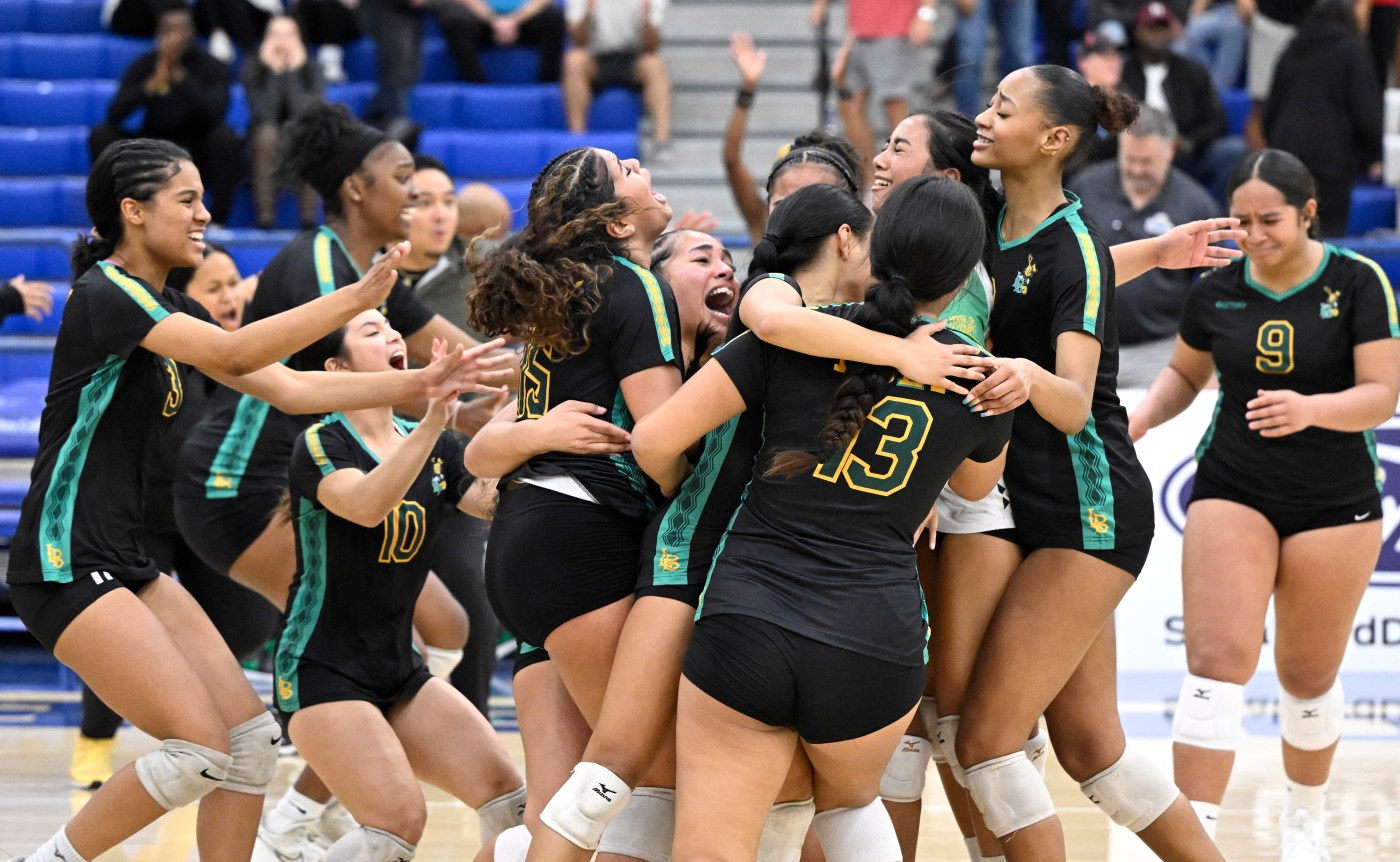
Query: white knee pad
(862, 834)
(500, 814)
(947, 734)
(1132, 791)
(1038, 749)
(181, 772)
(441, 662)
(784, 830)
(928, 711)
(1009, 792)
(646, 828)
(904, 776)
(1209, 713)
(513, 845)
(1312, 725)
(582, 808)
(254, 745)
(368, 844)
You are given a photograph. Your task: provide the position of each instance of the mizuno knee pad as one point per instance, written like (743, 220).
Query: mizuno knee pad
(500, 814)
(1133, 792)
(1312, 725)
(1010, 793)
(583, 807)
(1209, 713)
(862, 834)
(907, 770)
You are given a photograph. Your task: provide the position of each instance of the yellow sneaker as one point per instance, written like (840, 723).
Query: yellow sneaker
(92, 762)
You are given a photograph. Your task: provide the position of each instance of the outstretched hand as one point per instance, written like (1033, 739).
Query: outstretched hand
(748, 58)
(373, 289)
(1192, 245)
(462, 370)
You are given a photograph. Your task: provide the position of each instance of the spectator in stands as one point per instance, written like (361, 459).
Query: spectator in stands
(1099, 56)
(184, 93)
(1015, 25)
(883, 61)
(1272, 24)
(617, 43)
(1142, 195)
(136, 18)
(331, 25)
(1325, 108)
(469, 25)
(33, 299)
(1380, 21)
(481, 209)
(1182, 89)
(396, 27)
(1215, 37)
(279, 82)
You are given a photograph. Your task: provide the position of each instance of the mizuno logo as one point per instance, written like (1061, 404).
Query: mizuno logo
(1310, 713)
(1202, 694)
(603, 790)
(911, 747)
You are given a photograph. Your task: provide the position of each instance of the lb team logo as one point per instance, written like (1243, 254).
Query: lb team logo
(1174, 496)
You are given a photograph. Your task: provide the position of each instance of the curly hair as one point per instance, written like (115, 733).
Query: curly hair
(541, 285)
(323, 145)
(927, 239)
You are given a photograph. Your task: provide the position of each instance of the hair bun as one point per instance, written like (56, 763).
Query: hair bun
(1114, 111)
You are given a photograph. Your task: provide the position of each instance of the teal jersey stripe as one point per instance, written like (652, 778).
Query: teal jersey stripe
(136, 291)
(626, 464)
(231, 461)
(672, 560)
(1389, 292)
(1091, 476)
(306, 608)
(325, 267)
(658, 307)
(1306, 283)
(56, 516)
(1370, 437)
(719, 549)
(1210, 429)
(1093, 276)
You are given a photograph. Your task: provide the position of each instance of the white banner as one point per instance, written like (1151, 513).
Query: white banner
(1149, 619)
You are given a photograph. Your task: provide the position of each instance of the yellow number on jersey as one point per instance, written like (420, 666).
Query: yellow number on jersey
(404, 531)
(904, 425)
(1275, 343)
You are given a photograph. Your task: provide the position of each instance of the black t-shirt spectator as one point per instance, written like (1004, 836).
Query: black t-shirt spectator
(188, 110)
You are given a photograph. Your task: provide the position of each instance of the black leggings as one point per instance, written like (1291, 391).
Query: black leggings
(459, 559)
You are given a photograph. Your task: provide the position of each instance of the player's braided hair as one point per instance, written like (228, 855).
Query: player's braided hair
(800, 225)
(135, 169)
(819, 147)
(926, 241)
(543, 282)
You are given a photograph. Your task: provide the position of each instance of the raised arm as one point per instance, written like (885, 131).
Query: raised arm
(192, 341)
(661, 439)
(741, 184)
(1186, 246)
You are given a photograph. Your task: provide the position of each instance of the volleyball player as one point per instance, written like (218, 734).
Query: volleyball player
(358, 700)
(814, 157)
(1084, 508)
(1302, 335)
(820, 554)
(79, 577)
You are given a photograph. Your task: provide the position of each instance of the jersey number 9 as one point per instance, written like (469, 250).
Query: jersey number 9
(1275, 343)
(904, 424)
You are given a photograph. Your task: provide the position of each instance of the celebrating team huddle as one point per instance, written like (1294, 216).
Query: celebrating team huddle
(768, 549)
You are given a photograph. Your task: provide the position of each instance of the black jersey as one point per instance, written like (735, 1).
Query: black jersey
(1300, 340)
(631, 331)
(1084, 490)
(350, 609)
(107, 397)
(830, 554)
(244, 439)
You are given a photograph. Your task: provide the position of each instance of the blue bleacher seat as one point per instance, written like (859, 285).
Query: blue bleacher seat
(29, 362)
(21, 402)
(510, 65)
(41, 254)
(9, 522)
(65, 16)
(70, 207)
(615, 109)
(15, 16)
(62, 57)
(28, 202)
(43, 151)
(500, 107)
(355, 96)
(487, 154)
(237, 116)
(501, 65)
(1236, 104)
(12, 493)
(19, 324)
(251, 249)
(437, 105)
(517, 192)
(1372, 208)
(8, 50)
(54, 103)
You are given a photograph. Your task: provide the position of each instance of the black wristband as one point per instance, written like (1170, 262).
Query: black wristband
(844, 95)
(744, 99)
(11, 300)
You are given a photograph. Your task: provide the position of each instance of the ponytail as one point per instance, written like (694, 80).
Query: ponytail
(801, 223)
(135, 169)
(1067, 99)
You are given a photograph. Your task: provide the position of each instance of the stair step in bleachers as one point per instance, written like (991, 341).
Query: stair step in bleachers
(51, 16)
(39, 152)
(516, 153)
(42, 201)
(21, 401)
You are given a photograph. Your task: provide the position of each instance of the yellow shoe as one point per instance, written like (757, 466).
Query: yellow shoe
(92, 762)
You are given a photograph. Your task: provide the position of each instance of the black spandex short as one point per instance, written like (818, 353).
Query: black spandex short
(616, 69)
(46, 609)
(685, 593)
(785, 679)
(219, 531)
(1287, 517)
(526, 656)
(551, 558)
(317, 684)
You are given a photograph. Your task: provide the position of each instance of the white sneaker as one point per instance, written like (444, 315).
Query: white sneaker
(332, 61)
(294, 845)
(333, 823)
(1301, 838)
(221, 46)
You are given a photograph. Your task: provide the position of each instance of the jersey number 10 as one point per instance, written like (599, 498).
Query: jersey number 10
(404, 531)
(905, 425)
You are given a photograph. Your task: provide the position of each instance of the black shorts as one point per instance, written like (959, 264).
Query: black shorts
(317, 684)
(551, 558)
(1289, 517)
(1130, 559)
(616, 69)
(784, 679)
(219, 531)
(47, 608)
(526, 656)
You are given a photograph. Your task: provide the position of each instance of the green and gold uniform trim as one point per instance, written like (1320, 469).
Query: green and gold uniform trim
(306, 607)
(1214, 417)
(1391, 316)
(1370, 437)
(658, 307)
(325, 267)
(136, 291)
(1062, 212)
(673, 541)
(1306, 283)
(626, 464)
(1095, 486)
(1093, 276)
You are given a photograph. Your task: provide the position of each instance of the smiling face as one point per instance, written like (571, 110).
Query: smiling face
(1276, 233)
(218, 287)
(172, 222)
(905, 156)
(385, 191)
(370, 344)
(1011, 131)
(435, 215)
(701, 273)
(632, 182)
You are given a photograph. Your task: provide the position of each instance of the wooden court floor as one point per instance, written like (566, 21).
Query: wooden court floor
(1363, 819)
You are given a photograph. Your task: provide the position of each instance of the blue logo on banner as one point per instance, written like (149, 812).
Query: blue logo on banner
(1175, 496)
